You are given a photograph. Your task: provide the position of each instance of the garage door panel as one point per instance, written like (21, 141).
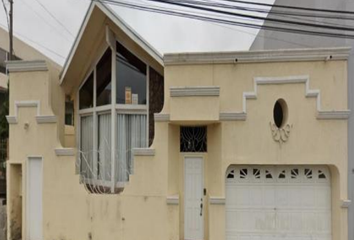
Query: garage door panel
(261, 220)
(268, 197)
(323, 222)
(323, 194)
(282, 202)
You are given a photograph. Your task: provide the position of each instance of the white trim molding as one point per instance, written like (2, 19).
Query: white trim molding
(217, 200)
(197, 91)
(333, 115)
(41, 119)
(11, 119)
(345, 203)
(23, 104)
(288, 55)
(162, 117)
(309, 93)
(46, 119)
(172, 200)
(64, 151)
(143, 152)
(26, 66)
(233, 116)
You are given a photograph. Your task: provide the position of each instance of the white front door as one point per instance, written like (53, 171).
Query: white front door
(34, 199)
(193, 198)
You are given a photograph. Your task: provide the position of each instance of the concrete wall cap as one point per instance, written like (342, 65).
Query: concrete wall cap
(282, 55)
(26, 66)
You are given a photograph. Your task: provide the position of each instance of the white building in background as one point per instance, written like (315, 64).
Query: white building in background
(267, 39)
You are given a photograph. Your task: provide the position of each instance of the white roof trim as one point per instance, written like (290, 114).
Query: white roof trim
(285, 55)
(121, 24)
(135, 36)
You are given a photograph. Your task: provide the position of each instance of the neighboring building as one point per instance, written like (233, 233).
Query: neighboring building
(267, 39)
(21, 50)
(233, 145)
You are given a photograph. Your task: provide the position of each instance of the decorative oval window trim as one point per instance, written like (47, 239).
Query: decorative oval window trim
(280, 113)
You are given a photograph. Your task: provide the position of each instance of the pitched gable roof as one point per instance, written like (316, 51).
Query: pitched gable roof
(96, 13)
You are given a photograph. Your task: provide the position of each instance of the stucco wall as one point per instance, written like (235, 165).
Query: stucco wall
(267, 39)
(312, 141)
(142, 211)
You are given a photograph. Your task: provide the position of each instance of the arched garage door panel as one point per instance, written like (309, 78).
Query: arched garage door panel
(280, 202)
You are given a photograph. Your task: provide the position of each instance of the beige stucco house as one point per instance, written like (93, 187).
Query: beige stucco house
(231, 145)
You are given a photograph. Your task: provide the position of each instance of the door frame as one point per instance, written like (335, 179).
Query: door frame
(185, 157)
(26, 219)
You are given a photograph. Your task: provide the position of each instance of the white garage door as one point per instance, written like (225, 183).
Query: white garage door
(273, 203)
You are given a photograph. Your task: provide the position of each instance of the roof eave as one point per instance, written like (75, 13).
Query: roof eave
(121, 24)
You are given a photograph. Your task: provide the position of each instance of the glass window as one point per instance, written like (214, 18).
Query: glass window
(96, 159)
(104, 147)
(69, 113)
(103, 76)
(131, 133)
(130, 77)
(86, 147)
(86, 93)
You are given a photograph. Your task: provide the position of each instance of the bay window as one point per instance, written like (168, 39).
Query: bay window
(113, 118)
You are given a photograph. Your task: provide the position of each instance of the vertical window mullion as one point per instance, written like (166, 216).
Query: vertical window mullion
(95, 129)
(147, 104)
(78, 133)
(113, 120)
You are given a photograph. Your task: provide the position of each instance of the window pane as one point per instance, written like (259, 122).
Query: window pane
(131, 132)
(103, 76)
(86, 93)
(69, 113)
(130, 77)
(86, 147)
(104, 147)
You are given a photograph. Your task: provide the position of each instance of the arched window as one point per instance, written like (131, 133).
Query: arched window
(113, 113)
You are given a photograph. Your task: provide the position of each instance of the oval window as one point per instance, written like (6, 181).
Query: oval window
(280, 113)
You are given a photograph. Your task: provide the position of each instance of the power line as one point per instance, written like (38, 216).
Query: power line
(290, 7)
(267, 11)
(195, 6)
(46, 21)
(259, 35)
(64, 27)
(294, 16)
(244, 32)
(38, 44)
(224, 21)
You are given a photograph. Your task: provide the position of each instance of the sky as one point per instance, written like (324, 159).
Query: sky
(52, 25)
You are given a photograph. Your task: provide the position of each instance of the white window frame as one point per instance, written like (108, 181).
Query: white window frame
(114, 109)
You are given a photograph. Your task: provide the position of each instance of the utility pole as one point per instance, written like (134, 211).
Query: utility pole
(11, 30)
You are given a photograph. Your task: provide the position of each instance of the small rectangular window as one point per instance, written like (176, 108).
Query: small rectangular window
(193, 139)
(86, 93)
(69, 113)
